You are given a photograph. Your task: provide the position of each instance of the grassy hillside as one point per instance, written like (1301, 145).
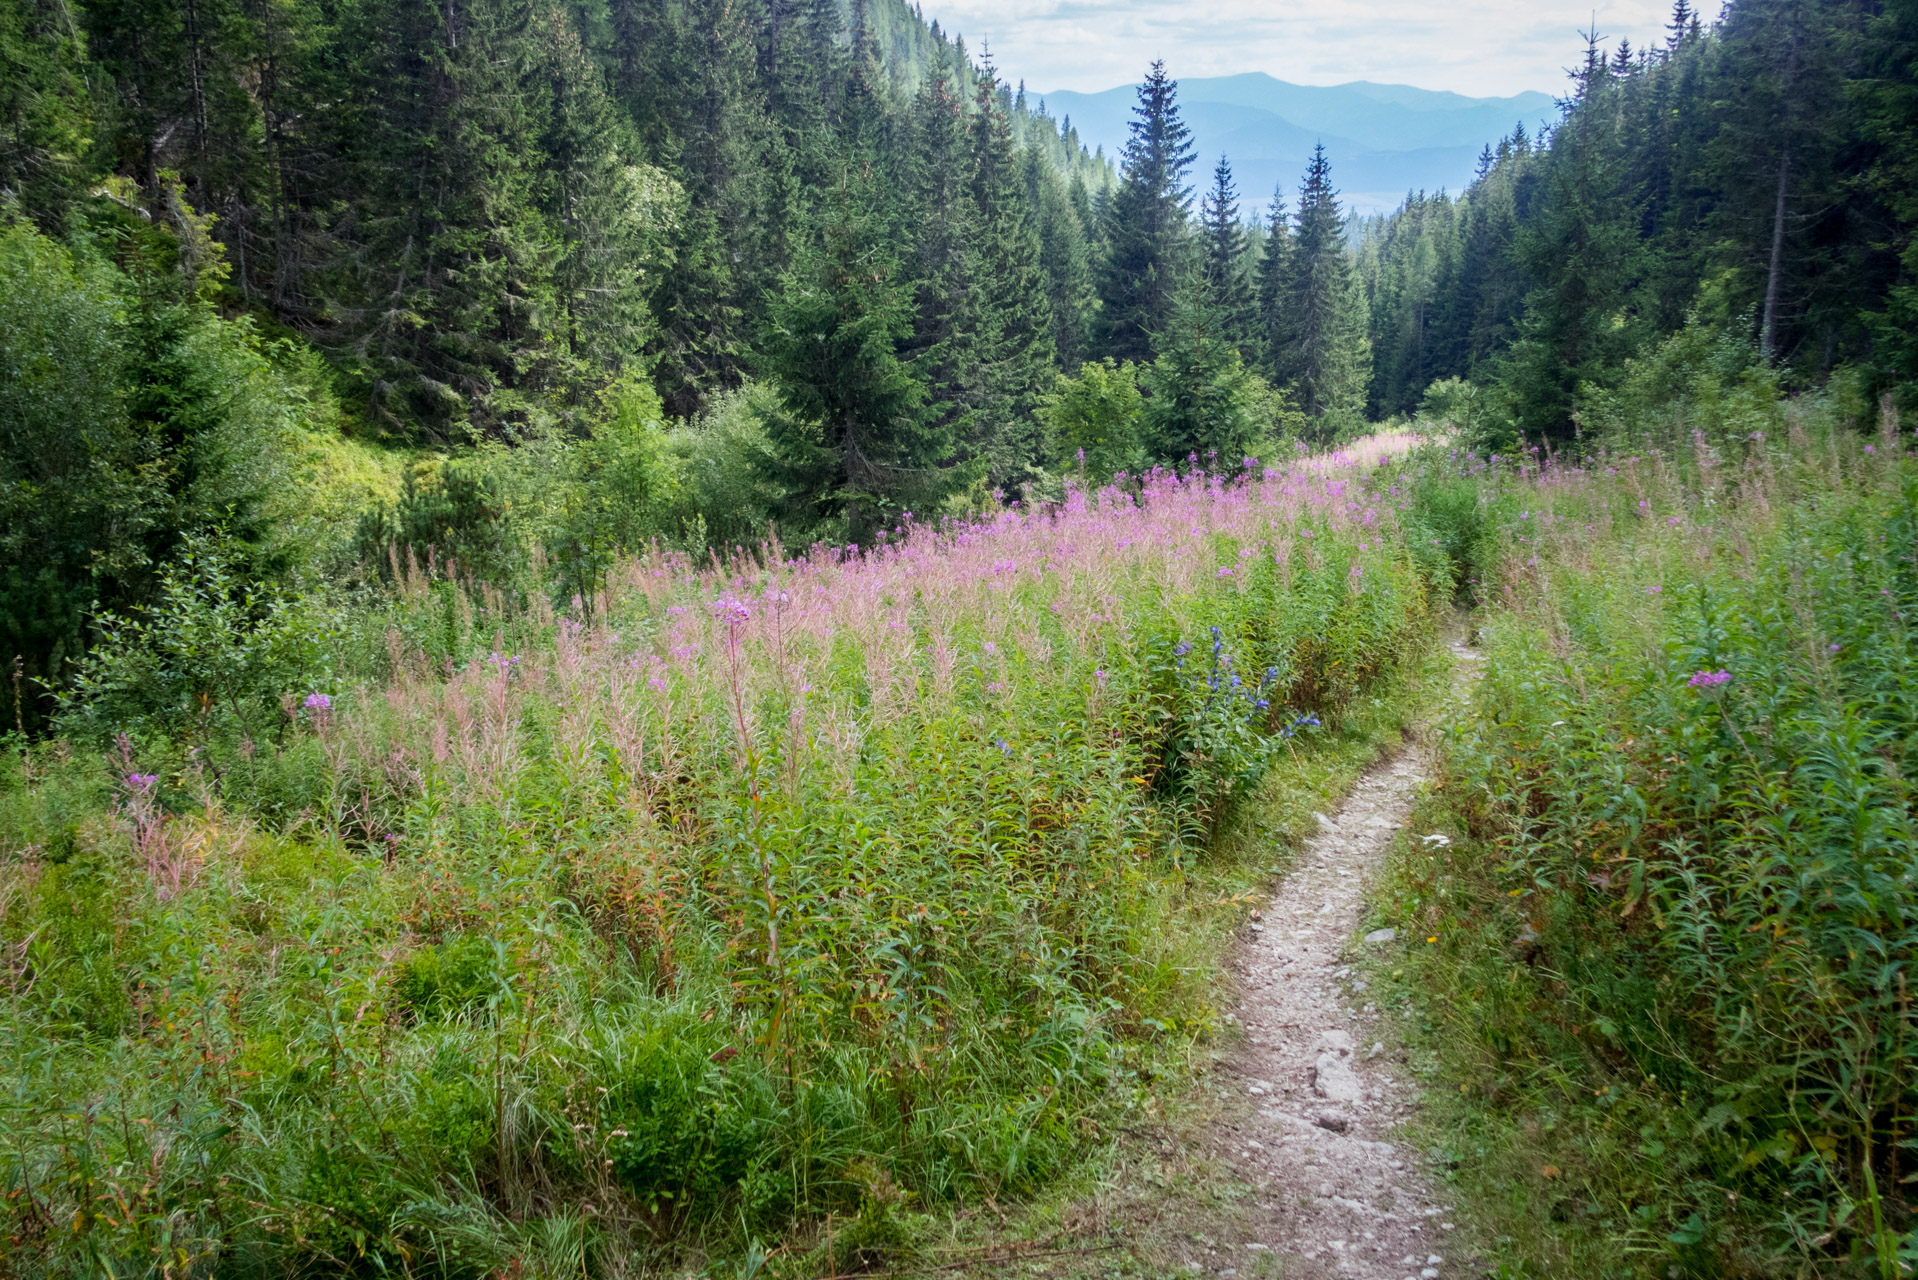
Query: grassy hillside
(748, 898)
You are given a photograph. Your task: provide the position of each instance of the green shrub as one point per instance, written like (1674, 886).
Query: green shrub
(214, 653)
(1097, 417)
(458, 518)
(453, 978)
(131, 417)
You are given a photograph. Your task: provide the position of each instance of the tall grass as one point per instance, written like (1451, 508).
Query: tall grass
(747, 894)
(1666, 958)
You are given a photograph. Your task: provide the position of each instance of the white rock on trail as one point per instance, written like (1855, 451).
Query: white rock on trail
(1334, 1080)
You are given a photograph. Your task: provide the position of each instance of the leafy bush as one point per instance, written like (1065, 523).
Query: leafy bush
(726, 497)
(1703, 382)
(452, 978)
(456, 521)
(131, 416)
(215, 651)
(1097, 418)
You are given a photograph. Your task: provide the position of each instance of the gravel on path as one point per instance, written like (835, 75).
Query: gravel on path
(1337, 1194)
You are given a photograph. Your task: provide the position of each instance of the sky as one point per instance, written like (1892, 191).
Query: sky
(1480, 48)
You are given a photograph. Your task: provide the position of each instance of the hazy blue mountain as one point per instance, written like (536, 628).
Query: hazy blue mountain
(1383, 139)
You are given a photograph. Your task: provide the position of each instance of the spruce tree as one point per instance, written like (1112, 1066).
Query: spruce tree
(1580, 251)
(1065, 252)
(1200, 398)
(1274, 287)
(611, 214)
(1892, 121)
(445, 287)
(855, 444)
(1322, 353)
(46, 110)
(1015, 313)
(1783, 118)
(1145, 225)
(720, 266)
(1224, 263)
(943, 348)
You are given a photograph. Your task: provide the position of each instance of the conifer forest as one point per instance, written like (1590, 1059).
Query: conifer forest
(668, 638)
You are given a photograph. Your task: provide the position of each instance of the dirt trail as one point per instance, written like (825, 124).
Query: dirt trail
(1338, 1197)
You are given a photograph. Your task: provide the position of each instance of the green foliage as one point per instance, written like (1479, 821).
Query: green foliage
(1705, 380)
(453, 978)
(133, 418)
(454, 520)
(73, 463)
(1097, 418)
(623, 481)
(724, 460)
(1668, 934)
(1460, 406)
(45, 109)
(1456, 527)
(215, 650)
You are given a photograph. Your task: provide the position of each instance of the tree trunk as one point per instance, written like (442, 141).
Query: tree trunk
(1768, 333)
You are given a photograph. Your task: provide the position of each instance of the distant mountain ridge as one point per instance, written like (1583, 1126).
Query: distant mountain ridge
(1383, 139)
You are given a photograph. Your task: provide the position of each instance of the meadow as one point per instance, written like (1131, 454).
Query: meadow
(733, 912)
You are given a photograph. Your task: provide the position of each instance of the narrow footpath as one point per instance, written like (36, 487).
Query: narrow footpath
(1338, 1195)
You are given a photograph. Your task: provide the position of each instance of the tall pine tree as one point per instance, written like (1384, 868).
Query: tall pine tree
(1321, 351)
(1016, 352)
(1224, 265)
(1145, 225)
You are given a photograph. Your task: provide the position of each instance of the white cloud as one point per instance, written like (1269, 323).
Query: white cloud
(1482, 48)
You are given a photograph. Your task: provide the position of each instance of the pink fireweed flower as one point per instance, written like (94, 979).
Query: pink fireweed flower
(1709, 679)
(141, 781)
(732, 611)
(318, 702)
